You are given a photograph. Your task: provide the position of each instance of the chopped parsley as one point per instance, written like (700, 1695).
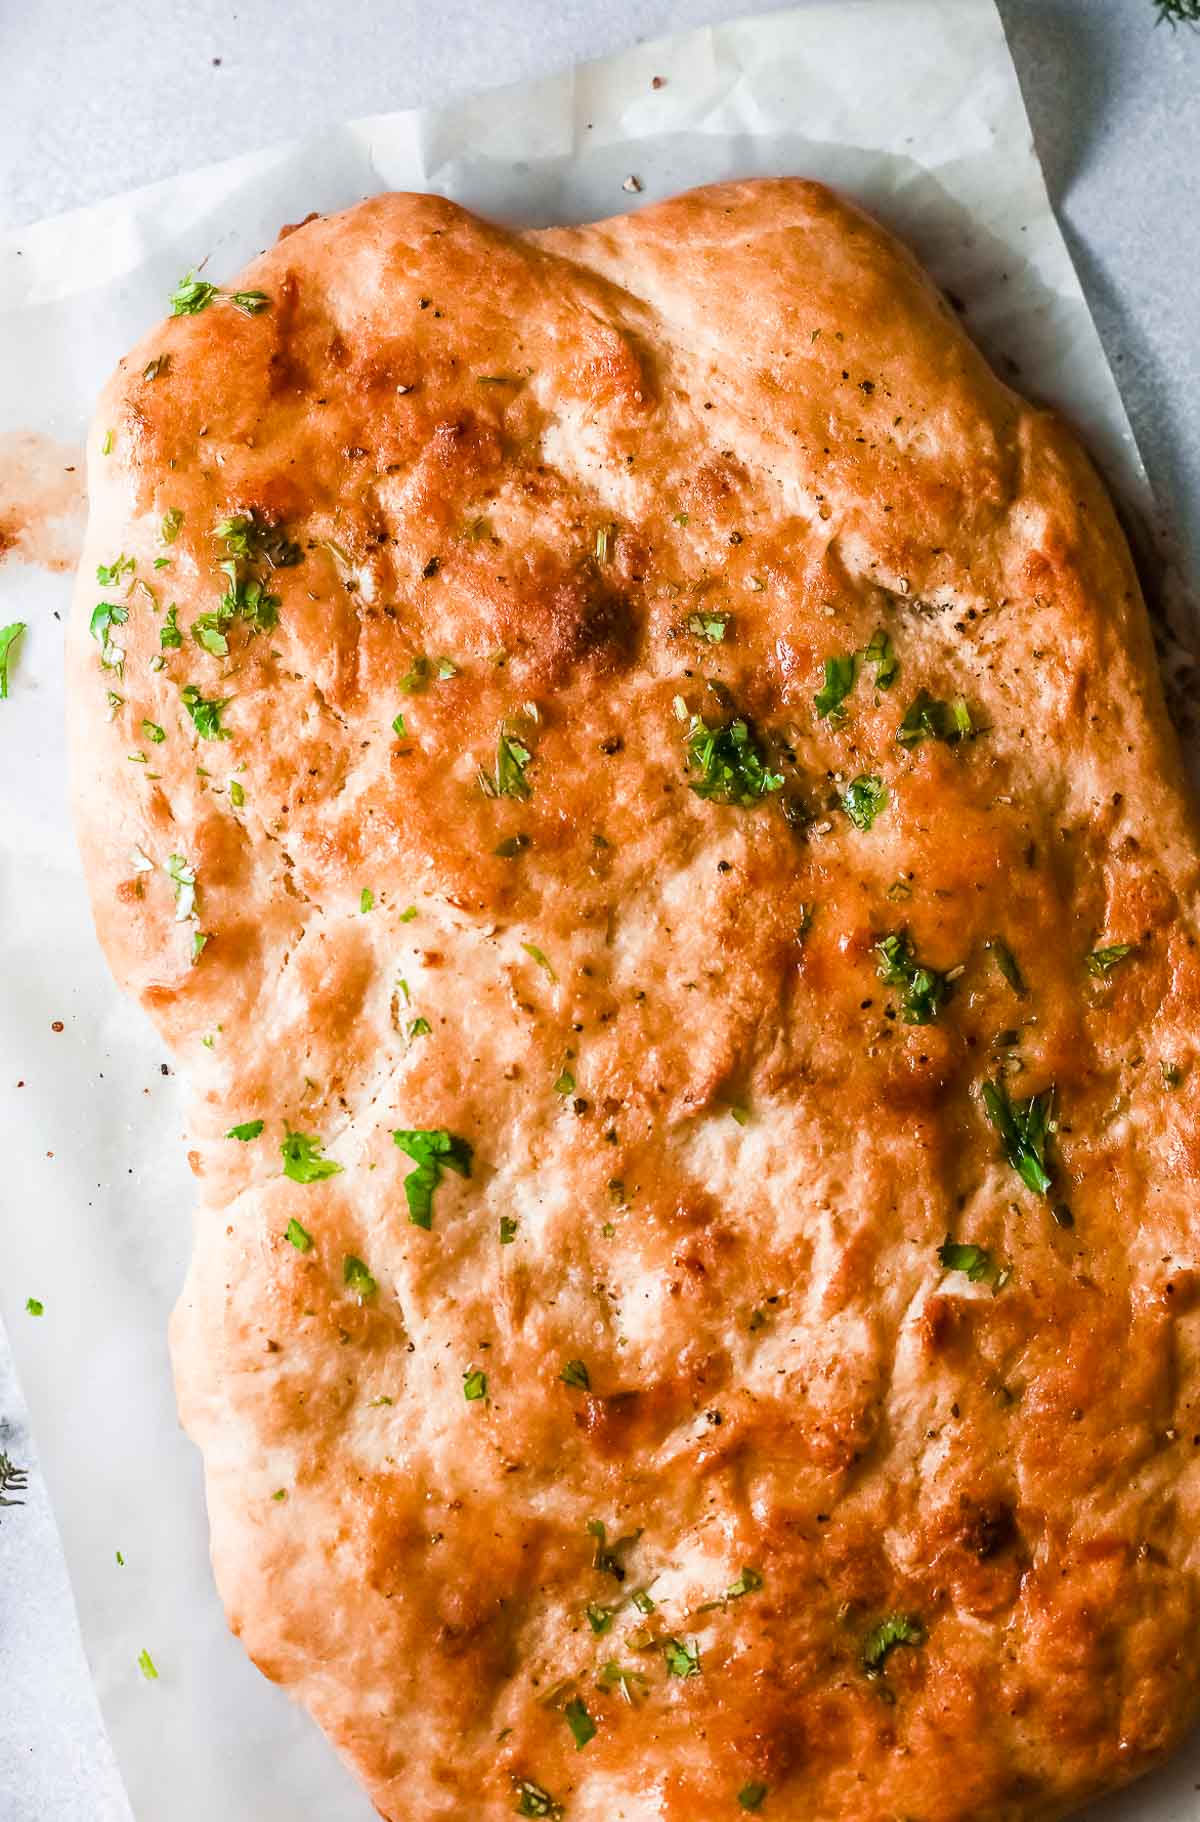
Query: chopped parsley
(1006, 961)
(237, 794)
(508, 1230)
(183, 877)
(575, 1373)
(434, 1151)
(205, 712)
(106, 615)
(1023, 1127)
(172, 519)
(106, 447)
(599, 1618)
(252, 539)
(108, 575)
(682, 1656)
(712, 627)
(961, 1256)
(565, 1083)
(1172, 1074)
(840, 674)
(729, 763)
(200, 940)
(605, 538)
(366, 900)
(748, 1582)
(750, 1796)
(302, 1160)
(246, 598)
(298, 1236)
(582, 1726)
(152, 732)
(169, 636)
(191, 295)
(419, 1028)
(928, 718)
(1101, 962)
(147, 1666)
(509, 779)
(631, 1683)
(895, 1629)
(474, 1385)
(158, 364)
(35, 1306)
(407, 915)
(357, 1278)
(532, 1800)
(863, 799)
(923, 989)
(879, 652)
(8, 639)
(606, 1558)
(540, 957)
(249, 1129)
(399, 729)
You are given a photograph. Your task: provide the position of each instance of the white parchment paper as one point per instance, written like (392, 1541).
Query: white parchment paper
(912, 107)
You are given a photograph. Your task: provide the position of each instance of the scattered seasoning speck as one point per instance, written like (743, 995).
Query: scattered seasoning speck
(632, 184)
(56, 1025)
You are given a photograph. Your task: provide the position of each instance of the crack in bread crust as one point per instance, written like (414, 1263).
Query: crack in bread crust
(912, 1529)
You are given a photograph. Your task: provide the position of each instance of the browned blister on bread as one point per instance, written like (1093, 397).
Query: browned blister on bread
(643, 714)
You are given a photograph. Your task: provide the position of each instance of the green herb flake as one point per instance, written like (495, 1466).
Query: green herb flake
(358, 1279)
(249, 1129)
(575, 1373)
(1006, 961)
(169, 636)
(416, 677)
(191, 295)
(599, 1618)
(643, 1601)
(407, 916)
(605, 539)
(172, 519)
(147, 1666)
(863, 799)
(109, 575)
(158, 364)
(929, 718)
(474, 1385)
(399, 729)
(366, 900)
(205, 712)
(298, 1236)
(182, 875)
(582, 1726)
(200, 941)
(895, 1629)
(8, 639)
(508, 1230)
(532, 1800)
(35, 1306)
(1023, 1127)
(302, 1160)
(840, 674)
(237, 794)
(509, 778)
(750, 1796)
(538, 955)
(879, 652)
(748, 1582)
(682, 1656)
(923, 989)
(420, 1028)
(106, 447)
(1101, 962)
(729, 762)
(1172, 1074)
(434, 1151)
(712, 627)
(565, 1083)
(151, 731)
(960, 1256)
(250, 303)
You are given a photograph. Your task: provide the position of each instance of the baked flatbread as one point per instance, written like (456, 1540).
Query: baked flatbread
(640, 797)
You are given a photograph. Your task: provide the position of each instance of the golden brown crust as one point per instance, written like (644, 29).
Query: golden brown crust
(564, 460)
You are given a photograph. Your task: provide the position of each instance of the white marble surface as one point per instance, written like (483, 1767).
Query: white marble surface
(104, 95)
